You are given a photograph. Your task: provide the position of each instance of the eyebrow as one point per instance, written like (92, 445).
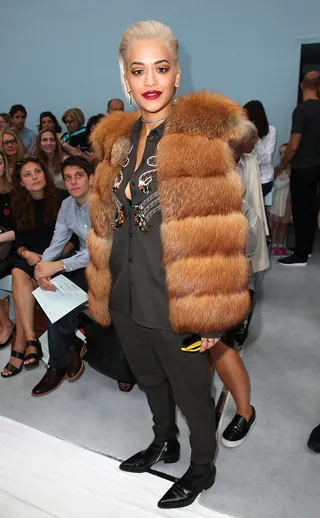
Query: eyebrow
(155, 63)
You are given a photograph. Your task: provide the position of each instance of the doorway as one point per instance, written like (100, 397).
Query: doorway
(309, 61)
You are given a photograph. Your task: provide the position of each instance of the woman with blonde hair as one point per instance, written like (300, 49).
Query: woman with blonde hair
(48, 150)
(12, 146)
(167, 243)
(75, 139)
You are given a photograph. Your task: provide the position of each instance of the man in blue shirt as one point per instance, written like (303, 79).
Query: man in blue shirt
(18, 115)
(73, 218)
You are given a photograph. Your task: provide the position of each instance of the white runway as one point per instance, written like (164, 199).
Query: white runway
(45, 477)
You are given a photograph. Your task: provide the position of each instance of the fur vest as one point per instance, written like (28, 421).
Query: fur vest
(203, 231)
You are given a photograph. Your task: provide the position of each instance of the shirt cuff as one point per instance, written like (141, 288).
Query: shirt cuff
(212, 335)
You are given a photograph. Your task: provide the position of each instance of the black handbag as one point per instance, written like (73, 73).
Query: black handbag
(105, 353)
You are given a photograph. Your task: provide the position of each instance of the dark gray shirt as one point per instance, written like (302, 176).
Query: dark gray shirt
(138, 276)
(306, 121)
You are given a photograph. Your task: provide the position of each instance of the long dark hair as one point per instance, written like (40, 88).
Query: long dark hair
(57, 127)
(258, 116)
(22, 201)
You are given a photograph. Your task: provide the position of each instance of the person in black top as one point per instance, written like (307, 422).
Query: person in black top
(7, 259)
(35, 205)
(303, 152)
(162, 214)
(75, 139)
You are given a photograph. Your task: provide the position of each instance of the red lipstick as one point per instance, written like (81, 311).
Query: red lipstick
(151, 95)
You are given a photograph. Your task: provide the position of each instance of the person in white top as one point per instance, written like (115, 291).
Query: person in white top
(264, 148)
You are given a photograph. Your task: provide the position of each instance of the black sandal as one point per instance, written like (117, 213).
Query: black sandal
(13, 370)
(129, 386)
(33, 356)
(2, 346)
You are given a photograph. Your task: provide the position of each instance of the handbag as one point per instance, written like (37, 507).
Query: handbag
(105, 353)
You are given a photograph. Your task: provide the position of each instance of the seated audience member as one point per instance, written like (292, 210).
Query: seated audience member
(264, 147)
(6, 326)
(35, 205)
(64, 347)
(91, 124)
(18, 115)
(5, 121)
(49, 121)
(115, 105)
(248, 169)
(48, 150)
(280, 212)
(75, 139)
(12, 146)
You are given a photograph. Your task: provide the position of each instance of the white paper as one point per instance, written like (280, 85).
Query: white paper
(57, 304)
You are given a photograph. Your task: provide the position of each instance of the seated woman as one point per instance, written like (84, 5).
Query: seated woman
(75, 139)
(6, 326)
(35, 205)
(48, 150)
(12, 146)
(48, 121)
(5, 121)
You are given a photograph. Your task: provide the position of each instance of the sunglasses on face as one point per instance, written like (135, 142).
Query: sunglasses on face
(8, 142)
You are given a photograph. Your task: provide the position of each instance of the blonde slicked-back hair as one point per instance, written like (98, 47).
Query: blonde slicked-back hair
(143, 31)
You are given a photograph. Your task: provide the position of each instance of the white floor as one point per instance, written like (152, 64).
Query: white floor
(42, 476)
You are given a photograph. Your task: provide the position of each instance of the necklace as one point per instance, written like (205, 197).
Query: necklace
(156, 120)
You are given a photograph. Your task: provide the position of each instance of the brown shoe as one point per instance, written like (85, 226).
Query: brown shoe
(50, 382)
(75, 363)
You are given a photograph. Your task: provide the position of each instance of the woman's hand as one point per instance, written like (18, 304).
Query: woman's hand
(32, 258)
(89, 157)
(207, 343)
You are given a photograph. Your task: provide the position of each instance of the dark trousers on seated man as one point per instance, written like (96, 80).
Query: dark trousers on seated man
(65, 349)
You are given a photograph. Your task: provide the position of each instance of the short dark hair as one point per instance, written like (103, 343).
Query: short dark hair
(257, 115)
(93, 121)
(77, 161)
(311, 81)
(17, 108)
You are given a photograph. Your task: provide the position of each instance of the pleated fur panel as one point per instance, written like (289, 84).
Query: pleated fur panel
(203, 231)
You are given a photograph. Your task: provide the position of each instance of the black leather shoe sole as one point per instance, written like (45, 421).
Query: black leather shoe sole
(51, 390)
(170, 459)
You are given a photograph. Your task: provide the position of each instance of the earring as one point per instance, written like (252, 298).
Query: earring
(175, 95)
(130, 99)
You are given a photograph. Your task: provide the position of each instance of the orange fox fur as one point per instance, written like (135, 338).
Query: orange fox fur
(203, 231)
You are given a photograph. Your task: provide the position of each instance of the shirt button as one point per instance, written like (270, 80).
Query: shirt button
(130, 234)
(130, 260)
(151, 137)
(133, 183)
(85, 226)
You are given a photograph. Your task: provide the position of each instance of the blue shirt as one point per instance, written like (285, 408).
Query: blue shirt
(71, 219)
(28, 137)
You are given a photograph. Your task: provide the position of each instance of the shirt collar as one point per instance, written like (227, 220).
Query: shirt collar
(156, 132)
